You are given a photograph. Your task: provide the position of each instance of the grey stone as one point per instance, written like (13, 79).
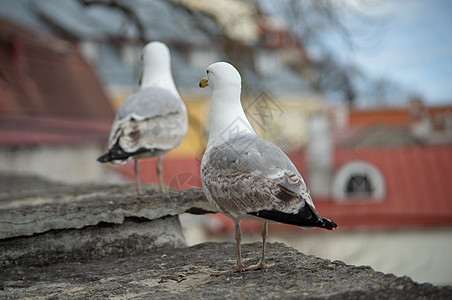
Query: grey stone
(95, 242)
(47, 222)
(105, 239)
(184, 273)
(29, 205)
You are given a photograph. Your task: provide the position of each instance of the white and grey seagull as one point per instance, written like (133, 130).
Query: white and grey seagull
(152, 121)
(244, 176)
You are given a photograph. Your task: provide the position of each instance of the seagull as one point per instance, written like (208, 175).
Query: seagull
(244, 176)
(152, 121)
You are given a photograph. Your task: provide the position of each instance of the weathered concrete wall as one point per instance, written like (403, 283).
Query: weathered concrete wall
(90, 242)
(184, 273)
(43, 222)
(56, 206)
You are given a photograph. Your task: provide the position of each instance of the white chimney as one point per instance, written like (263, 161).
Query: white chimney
(319, 155)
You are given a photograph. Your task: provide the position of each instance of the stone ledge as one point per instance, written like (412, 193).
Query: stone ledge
(184, 273)
(49, 206)
(104, 239)
(84, 242)
(44, 222)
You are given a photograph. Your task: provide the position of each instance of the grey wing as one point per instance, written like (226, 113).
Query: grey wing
(153, 118)
(150, 102)
(249, 175)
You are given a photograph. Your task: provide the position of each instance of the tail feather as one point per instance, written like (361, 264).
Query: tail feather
(104, 158)
(109, 157)
(117, 154)
(328, 224)
(304, 218)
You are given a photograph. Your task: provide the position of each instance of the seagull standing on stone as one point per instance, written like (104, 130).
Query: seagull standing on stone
(152, 121)
(244, 176)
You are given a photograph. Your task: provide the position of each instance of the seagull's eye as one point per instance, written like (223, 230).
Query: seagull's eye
(207, 71)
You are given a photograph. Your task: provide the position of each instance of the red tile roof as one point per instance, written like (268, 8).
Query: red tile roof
(389, 116)
(48, 93)
(395, 116)
(42, 75)
(418, 188)
(31, 131)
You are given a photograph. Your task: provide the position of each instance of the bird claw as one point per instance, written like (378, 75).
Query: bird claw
(260, 266)
(237, 269)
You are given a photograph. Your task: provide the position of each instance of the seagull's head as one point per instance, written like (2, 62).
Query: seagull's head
(221, 75)
(155, 54)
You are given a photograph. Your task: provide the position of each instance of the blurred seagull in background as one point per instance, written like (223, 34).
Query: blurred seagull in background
(152, 121)
(244, 176)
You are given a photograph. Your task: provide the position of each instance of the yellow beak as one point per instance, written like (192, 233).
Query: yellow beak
(204, 82)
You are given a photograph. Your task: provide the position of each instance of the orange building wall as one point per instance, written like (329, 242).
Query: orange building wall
(397, 117)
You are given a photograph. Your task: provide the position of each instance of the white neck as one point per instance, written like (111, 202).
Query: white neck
(158, 75)
(226, 117)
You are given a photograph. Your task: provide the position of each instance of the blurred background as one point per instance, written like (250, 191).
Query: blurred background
(357, 92)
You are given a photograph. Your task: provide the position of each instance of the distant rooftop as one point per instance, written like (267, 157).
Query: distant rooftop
(108, 30)
(48, 93)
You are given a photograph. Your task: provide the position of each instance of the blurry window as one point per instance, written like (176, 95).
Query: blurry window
(358, 181)
(359, 185)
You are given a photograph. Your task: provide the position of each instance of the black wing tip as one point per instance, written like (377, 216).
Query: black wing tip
(112, 157)
(117, 154)
(104, 158)
(295, 219)
(328, 224)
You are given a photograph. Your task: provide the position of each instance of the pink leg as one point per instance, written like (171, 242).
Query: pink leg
(238, 238)
(159, 173)
(262, 265)
(137, 175)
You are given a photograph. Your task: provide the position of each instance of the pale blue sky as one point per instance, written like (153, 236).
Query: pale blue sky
(413, 47)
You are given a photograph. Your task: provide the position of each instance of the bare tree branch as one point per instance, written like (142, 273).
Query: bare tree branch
(126, 10)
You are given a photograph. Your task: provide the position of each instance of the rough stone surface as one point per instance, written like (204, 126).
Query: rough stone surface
(93, 241)
(29, 205)
(50, 222)
(184, 273)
